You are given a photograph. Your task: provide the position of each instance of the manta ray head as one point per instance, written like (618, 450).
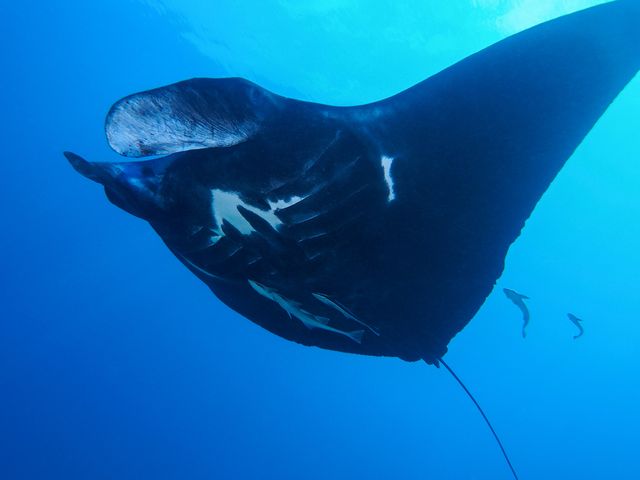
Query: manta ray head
(230, 156)
(193, 124)
(173, 193)
(187, 115)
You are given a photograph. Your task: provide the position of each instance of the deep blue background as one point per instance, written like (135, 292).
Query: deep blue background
(115, 362)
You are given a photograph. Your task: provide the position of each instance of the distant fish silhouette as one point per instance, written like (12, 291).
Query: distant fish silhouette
(518, 299)
(576, 321)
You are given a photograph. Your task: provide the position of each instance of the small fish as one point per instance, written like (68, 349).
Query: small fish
(295, 309)
(343, 310)
(518, 299)
(576, 321)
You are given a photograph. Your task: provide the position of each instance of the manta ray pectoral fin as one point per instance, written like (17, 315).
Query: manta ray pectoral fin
(192, 114)
(498, 126)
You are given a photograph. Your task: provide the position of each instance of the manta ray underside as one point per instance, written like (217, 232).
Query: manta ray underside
(377, 229)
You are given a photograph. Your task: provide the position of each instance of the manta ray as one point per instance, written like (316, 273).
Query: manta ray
(375, 229)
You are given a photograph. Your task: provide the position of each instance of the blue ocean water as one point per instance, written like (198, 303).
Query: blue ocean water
(116, 362)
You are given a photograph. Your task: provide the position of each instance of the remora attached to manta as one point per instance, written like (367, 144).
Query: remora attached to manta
(377, 229)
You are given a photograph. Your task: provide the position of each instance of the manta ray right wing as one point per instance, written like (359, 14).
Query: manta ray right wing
(476, 145)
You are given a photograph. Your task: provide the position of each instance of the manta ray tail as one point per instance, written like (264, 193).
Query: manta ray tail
(486, 419)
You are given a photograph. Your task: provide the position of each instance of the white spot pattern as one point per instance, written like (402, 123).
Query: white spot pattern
(225, 207)
(386, 167)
